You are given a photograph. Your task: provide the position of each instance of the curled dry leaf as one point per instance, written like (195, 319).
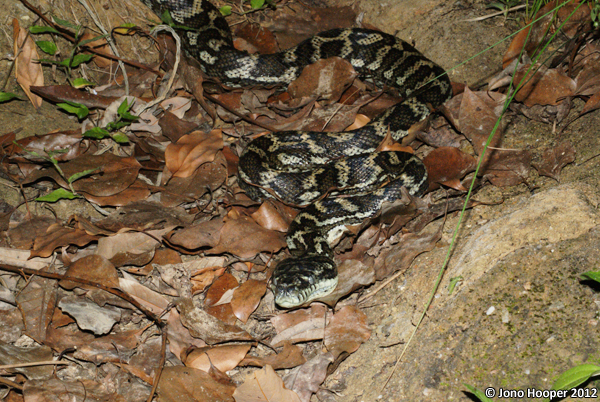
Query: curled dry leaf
(179, 337)
(352, 275)
(306, 379)
(27, 69)
(554, 159)
(224, 358)
(446, 164)
(274, 215)
(109, 174)
(191, 151)
(300, 325)
(150, 299)
(544, 87)
(346, 331)
(244, 238)
(133, 248)
(206, 327)
(93, 268)
(264, 386)
(290, 356)
(36, 302)
(325, 79)
(247, 297)
(181, 383)
(507, 167)
(58, 236)
(477, 117)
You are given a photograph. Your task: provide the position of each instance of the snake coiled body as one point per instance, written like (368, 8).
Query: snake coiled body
(339, 177)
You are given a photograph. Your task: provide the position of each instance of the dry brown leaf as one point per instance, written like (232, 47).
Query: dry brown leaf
(306, 379)
(264, 386)
(346, 331)
(324, 79)
(150, 299)
(300, 325)
(109, 175)
(99, 44)
(58, 236)
(447, 163)
(507, 167)
(273, 215)
(544, 87)
(290, 356)
(187, 384)
(27, 69)
(247, 297)
(179, 337)
(224, 358)
(206, 327)
(133, 248)
(79, 390)
(592, 104)
(554, 159)
(36, 302)
(260, 38)
(352, 275)
(93, 268)
(244, 238)
(477, 116)
(225, 283)
(192, 150)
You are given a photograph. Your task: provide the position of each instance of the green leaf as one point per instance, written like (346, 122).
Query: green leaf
(453, 282)
(77, 60)
(116, 125)
(56, 195)
(81, 83)
(225, 10)
(124, 29)
(47, 46)
(166, 18)
(76, 108)
(576, 376)
(593, 275)
(120, 138)
(85, 42)
(66, 24)
(6, 96)
(79, 175)
(97, 133)
(122, 111)
(38, 29)
(478, 393)
(256, 4)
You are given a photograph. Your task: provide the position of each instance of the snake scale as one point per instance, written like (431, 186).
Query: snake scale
(339, 177)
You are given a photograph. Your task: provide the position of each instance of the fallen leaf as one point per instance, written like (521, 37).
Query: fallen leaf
(192, 150)
(447, 163)
(346, 331)
(290, 356)
(554, 159)
(543, 86)
(264, 386)
(93, 268)
(224, 358)
(27, 68)
(247, 297)
(306, 379)
(300, 325)
(186, 384)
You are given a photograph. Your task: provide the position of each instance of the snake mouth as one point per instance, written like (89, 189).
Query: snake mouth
(297, 281)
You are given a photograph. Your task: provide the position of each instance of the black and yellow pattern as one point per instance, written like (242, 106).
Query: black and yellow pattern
(338, 176)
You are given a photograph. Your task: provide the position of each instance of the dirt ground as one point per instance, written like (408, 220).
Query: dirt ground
(521, 314)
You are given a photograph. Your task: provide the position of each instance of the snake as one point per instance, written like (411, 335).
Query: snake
(340, 178)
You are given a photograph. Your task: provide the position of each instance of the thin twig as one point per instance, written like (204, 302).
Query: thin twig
(485, 17)
(109, 40)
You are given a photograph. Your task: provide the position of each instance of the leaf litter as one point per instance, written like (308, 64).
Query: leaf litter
(182, 256)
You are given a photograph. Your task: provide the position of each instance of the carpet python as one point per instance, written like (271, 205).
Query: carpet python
(339, 178)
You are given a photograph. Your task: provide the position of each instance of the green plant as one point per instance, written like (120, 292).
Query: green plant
(75, 58)
(112, 129)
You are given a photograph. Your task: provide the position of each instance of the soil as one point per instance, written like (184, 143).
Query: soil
(521, 314)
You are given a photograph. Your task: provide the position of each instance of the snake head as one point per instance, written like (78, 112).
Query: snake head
(298, 280)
